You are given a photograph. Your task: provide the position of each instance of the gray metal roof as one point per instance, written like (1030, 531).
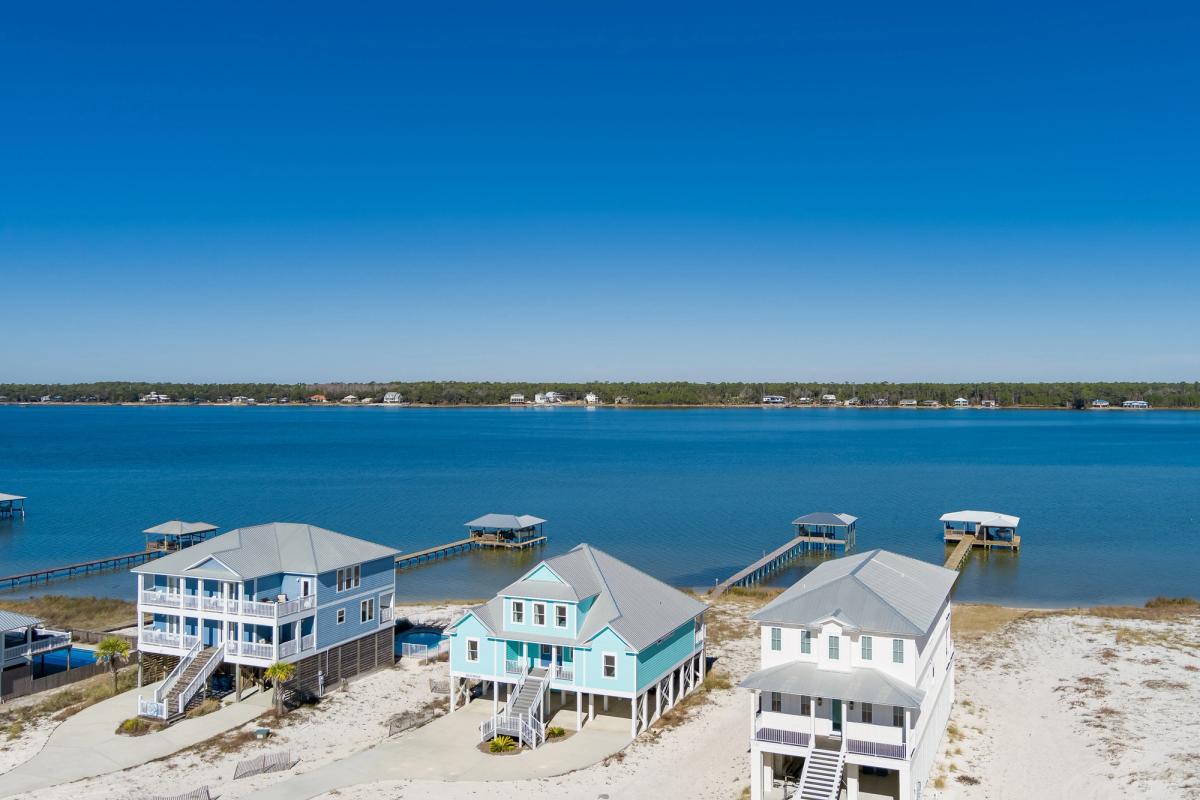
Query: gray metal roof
(639, 608)
(4, 497)
(11, 621)
(876, 591)
(824, 518)
(505, 522)
(861, 683)
(268, 549)
(179, 528)
(542, 590)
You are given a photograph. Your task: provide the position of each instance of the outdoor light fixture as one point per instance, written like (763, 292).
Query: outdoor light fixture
(820, 700)
(851, 705)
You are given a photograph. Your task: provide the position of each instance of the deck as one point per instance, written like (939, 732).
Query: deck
(80, 568)
(964, 543)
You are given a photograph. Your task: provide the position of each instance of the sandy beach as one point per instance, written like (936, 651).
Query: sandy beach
(1050, 704)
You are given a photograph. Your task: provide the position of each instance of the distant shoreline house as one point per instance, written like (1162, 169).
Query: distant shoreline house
(829, 399)
(392, 398)
(155, 397)
(907, 403)
(350, 398)
(1135, 404)
(254, 596)
(591, 398)
(1100, 404)
(603, 636)
(773, 400)
(961, 402)
(857, 680)
(318, 398)
(516, 399)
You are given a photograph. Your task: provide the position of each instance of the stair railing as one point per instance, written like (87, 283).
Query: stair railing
(201, 677)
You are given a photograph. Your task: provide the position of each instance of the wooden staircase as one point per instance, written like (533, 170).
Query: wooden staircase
(198, 665)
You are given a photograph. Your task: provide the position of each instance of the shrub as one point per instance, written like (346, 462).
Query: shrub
(555, 732)
(1170, 602)
(502, 744)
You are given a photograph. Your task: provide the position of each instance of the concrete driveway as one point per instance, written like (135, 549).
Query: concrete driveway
(446, 750)
(87, 744)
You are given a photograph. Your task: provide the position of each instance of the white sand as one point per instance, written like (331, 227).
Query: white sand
(1049, 707)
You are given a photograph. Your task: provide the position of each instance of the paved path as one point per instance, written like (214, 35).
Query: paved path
(446, 750)
(87, 744)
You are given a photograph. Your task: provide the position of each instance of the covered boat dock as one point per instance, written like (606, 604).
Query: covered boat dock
(507, 530)
(823, 530)
(985, 529)
(12, 505)
(176, 535)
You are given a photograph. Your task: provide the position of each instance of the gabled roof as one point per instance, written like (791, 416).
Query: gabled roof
(11, 621)
(875, 591)
(987, 518)
(179, 528)
(639, 608)
(824, 518)
(266, 550)
(863, 684)
(505, 522)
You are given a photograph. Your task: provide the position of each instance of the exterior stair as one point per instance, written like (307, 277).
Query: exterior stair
(821, 778)
(521, 717)
(528, 700)
(198, 665)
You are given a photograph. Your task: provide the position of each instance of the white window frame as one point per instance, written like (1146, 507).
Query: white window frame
(776, 640)
(867, 645)
(542, 607)
(471, 642)
(776, 702)
(349, 578)
(806, 642)
(897, 716)
(518, 612)
(834, 648)
(366, 611)
(866, 713)
(805, 705)
(565, 619)
(897, 651)
(604, 666)
(341, 616)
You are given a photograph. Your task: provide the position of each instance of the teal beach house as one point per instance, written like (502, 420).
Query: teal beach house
(582, 631)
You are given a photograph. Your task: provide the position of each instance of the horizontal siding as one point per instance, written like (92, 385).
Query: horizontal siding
(378, 577)
(659, 658)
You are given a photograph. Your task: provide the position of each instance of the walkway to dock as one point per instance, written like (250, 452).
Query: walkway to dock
(769, 564)
(461, 546)
(81, 568)
(959, 554)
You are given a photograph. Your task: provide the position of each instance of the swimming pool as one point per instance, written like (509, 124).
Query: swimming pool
(56, 660)
(427, 637)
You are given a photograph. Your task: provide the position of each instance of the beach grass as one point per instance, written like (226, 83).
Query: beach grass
(84, 613)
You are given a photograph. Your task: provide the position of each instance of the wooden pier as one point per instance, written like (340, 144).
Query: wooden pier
(965, 543)
(81, 568)
(461, 546)
(766, 566)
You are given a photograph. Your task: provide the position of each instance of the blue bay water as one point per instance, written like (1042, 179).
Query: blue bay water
(1109, 501)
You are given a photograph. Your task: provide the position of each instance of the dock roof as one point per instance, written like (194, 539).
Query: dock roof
(179, 528)
(875, 591)
(268, 549)
(641, 609)
(862, 684)
(989, 519)
(824, 518)
(504, 522)
(5, 497)
(11, 621)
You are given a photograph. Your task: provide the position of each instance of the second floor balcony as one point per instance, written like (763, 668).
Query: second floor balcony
(215, 604)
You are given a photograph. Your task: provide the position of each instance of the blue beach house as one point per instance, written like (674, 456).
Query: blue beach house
(588, 628)
(237, 603)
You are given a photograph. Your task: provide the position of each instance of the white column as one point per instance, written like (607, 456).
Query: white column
(753, 713)
(657, 700)
(645, 708)
(578, 710)
(591, 706)
(756, 774)
(633, 705)
(852, 782)
(495, 698)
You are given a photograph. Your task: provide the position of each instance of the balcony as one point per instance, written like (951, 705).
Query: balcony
(564, 672)
(308, 642)
(44, 641)
(514, 666)
(231, 606)
(878, 749)
(385, 614)
(779, 728)
(156, 638)
(251, 650)
(288, 648)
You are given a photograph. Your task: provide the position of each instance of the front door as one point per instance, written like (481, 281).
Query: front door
(836, 712)
(305, 587)
(547, 655)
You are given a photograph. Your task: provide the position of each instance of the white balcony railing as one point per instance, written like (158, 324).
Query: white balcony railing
(48, 640)
(288, 648)
(385, 614)
(767, 733)
(308, 642)
(878, 749)
(250, 649)
(564, 672)
(164, 639)
(514, 666)
(222, 605)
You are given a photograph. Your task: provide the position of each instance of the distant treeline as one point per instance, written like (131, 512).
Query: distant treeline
(442, 393)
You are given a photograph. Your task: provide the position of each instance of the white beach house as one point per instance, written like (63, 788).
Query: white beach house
(591, 398)
(857, 680)
(961, 402)
(602, 635)
(392, 398)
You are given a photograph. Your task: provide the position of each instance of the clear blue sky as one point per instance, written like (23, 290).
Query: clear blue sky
(586, 191)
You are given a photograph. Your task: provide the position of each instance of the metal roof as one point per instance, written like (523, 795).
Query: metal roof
(862, 684)
(504, 522)
(179, 528)
(988, 518)
(542, 590)
(266, 550)
(4, 497)
(824, 518)
(876, 591)
(639, 608)
(11, 621)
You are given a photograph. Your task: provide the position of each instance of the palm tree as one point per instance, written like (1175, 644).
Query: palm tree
(112, 650)
(279, 673)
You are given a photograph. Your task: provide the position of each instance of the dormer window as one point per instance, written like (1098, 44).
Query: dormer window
(518, 612)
